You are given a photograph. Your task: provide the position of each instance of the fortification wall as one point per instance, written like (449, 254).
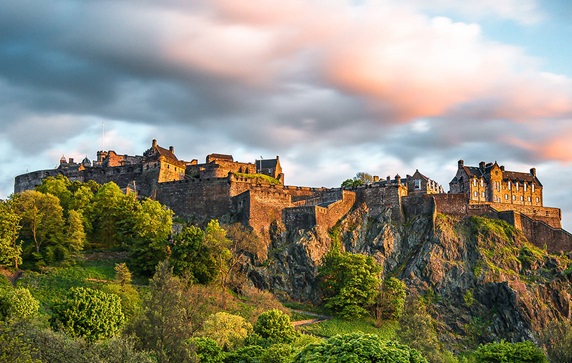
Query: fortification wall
(296, 218)
(31, 180)
(380, 198)
(266, 206)
(328, 216)
(418, 205)
(550, 216)
(203, 199)
(453, 204)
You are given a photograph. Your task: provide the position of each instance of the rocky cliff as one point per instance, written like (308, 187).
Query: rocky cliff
(483, 279)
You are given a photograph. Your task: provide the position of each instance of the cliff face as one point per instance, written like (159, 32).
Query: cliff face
(483, 278)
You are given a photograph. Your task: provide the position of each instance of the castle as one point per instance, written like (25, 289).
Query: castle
(255, 194)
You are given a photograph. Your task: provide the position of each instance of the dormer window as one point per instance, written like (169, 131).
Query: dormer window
(525, 186)
(509, 185)
(532, 187)
(417, 184)
(475, 182)
(516, 185)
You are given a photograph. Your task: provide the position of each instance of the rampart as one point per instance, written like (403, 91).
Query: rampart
(325, 214)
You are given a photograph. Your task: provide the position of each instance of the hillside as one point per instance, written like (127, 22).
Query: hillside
(484, 281)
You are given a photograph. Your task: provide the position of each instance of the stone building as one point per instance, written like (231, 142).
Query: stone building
(491, 183)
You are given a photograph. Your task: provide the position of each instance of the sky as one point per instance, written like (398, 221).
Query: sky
(334, 87)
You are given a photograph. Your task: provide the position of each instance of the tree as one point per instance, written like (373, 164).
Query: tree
(358, 347)
(111, 215)
(391, 300)
(208, 351)
(220, 245)
(360, 179)
(10, 249)
(89, 313)
(58, 187)
(151, 230)
(75, 236)
(227, 330)
(349, 282)
(122, 274)
(166, 322)
(275, 327)
(42, 218)
(192, 257)
(504, 352)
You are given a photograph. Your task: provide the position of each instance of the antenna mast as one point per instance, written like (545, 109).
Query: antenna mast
(102, 135)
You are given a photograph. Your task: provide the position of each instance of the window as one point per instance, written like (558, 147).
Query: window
(525, 186)
(506, 196)
(482, 183)
(514, 197)
(529, 199)
(475, 194)
(533, 187)
(537, 199)
(483, 194)
(474, 182)
(516, 185)
(417, 184)
(521, 198)
(509, 186)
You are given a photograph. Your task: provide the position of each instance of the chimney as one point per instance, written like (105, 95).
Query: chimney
(398, 179)
(502, 167)
(388, 179)
(461, 164)
(375, 178)
(533, 172)
(482, 165)
(154, 143)
(172, 149)
(70, 160)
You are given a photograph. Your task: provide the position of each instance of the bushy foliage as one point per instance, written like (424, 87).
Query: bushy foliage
(504, 352)
(208, 351)
(227, 330)
(151, 230)
(248, 354)
(10, 248)
(277, 353)
(359, 347)
(18, 304)
(349, 282)
(274, 326)
(392, 299)
(89, 313)
(192, 257)
(165, 324)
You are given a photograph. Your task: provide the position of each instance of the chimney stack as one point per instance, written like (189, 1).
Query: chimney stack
(533, 172)
(482, 165)
(172, 149)
(461, 164)
(154, 143)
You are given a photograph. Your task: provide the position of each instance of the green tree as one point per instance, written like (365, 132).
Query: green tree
(273, 326)
(75, 235)
(10, 248)
(82, 202)
(89, 313)
(391, 300)
(349, 282)
(277, 353)
(111, 216)
(220, 245)
(192, 257)
(166, 322)
(58, 187)
(359, 347)
(122, 274)
(227, 330)
(504, 352)
(360, 179)
(208, 351)
(152, 228)
(42, 219)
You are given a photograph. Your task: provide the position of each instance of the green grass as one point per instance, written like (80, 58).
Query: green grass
(259, 177)
(337, 326)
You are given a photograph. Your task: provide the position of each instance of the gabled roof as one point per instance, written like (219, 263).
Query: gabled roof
(225, 157)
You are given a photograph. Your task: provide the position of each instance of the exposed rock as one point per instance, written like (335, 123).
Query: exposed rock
(488, 282)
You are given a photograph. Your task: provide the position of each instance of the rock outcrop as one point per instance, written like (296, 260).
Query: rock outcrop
(485, 280)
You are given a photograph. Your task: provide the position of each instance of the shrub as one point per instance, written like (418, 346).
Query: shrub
(275, 327)
(20, 304)
(227, 330)
(89, 313)
(504, 352)
(207, 350)
(359, 347)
